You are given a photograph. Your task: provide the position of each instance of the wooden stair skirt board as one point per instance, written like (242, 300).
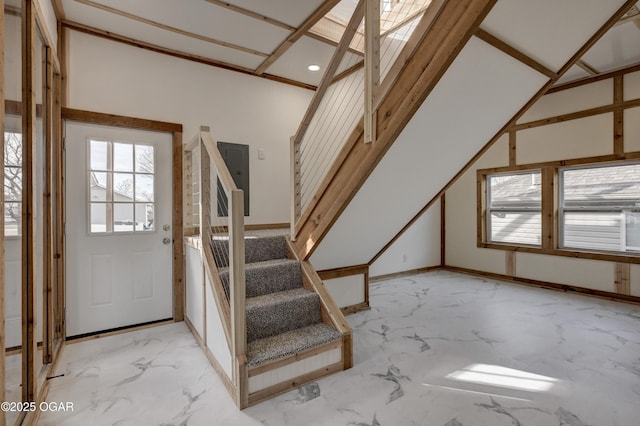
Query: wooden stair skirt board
(291, 335)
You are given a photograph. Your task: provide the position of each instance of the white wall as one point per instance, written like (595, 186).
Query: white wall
(418, 247)
(579, 138)
(111, 77)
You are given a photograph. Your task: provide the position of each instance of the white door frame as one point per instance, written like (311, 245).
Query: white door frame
(175, 129)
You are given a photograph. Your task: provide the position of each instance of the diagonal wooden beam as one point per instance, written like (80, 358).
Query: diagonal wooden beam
(252, 14)
(58, 9)
(356, 18)
(293, 37)
(586, 67)
(170, 28)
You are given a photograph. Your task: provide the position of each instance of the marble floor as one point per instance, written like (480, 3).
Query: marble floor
(439, 349)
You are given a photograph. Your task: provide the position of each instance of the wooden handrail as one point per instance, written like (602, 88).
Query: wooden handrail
(221, 167)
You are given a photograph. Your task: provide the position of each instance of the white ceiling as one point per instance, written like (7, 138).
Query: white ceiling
(209, 30)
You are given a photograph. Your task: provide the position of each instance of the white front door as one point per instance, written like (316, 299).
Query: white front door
(118, 227)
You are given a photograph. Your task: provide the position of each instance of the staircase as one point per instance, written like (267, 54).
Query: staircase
(283, 317)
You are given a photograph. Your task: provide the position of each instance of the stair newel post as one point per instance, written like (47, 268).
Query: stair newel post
(238, 293)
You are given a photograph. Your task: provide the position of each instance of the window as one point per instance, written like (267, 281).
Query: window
(121, 187)
(12, 184)
(600, 208)
(514, 208)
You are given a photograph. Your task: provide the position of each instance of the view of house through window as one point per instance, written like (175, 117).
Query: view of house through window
(12, 183)
(514, 208)
(121, 182)
(600, 208)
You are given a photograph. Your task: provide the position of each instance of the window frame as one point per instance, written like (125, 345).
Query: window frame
(551, 232)
(109, 201)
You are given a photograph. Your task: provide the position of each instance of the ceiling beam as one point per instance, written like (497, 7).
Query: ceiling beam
(586, 67)
(58, 9)
(514, 53)
(170, 28)
(324, 8)
(175, 53)
(633, 15)
(348, 71)
(333, 43)
(252, 14)
(592, 79)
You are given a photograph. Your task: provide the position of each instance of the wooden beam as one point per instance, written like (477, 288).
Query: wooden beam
(324, 8)
(48, 325)
(592, 79)
(43, 30)
(3, 343)
(371, 65)
(177, 231)
(454, 26)
(618, 115)
(346, 271)
(512, 148)
(330, 71)
(60, 210)
(548, 208)
(178, 54)
(576, 115)
(346, 73)
(514, 53)
(252, 14)
(58, 9)
(169, 28)
(331, 42)
(633, 15)
(29, 28)
(443, 230)
(586, 67)
(510, 263)
(623, 278)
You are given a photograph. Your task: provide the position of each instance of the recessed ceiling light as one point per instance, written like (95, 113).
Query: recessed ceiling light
(313, 67)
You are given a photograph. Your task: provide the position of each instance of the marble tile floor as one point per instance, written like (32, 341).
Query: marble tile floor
(436, 349)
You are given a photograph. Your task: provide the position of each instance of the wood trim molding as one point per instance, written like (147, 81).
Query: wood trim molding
(2, 267)
(514, 53)
(618, 115)
(587, 68)
(347, 271)
(169, 28)
(512, 148)
(58, 9)
(354, 309)
(545, 284)
(178, 54)
(299, 356)
(402, 274)
(623, 278)
(46, 35)
(252, 14)
(119, 120)
(443, 230)
(322, 10)
(177, 230)
(592, 79)
(346, 73)
(576, 115)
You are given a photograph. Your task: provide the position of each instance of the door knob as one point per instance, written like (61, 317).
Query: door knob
(166, 240)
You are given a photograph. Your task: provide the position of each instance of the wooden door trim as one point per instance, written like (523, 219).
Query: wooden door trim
(175, 129)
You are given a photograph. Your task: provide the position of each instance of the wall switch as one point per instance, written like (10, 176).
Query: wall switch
(260, 154)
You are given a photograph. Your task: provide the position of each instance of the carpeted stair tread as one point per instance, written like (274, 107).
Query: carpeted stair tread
(269, 276)
(256, 249)
(289, 343)
(276, 313)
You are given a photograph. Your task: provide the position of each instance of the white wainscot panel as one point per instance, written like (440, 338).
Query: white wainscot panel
(297, 369)
(635, 280)
(592, 274)
(216, 340)
(632, 130)
(194, 279)
(549, 31)
(346, 291)
(632, 86)
(585, 137)
(571, 100)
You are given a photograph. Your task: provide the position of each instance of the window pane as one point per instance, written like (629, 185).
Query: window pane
(98, 154)
(517, 228)
(122, 187)
(144, 159)
(12, 149)
(613, 186)
(633, 230)
(123, 219)
(144, 217)
(98, 218)
(98, 186)
(522, 190)
(13, 183)
(123, 157)
(593, 230)
(12, 219)
(144, 187)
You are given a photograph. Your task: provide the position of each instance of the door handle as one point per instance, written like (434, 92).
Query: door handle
(166, 240)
